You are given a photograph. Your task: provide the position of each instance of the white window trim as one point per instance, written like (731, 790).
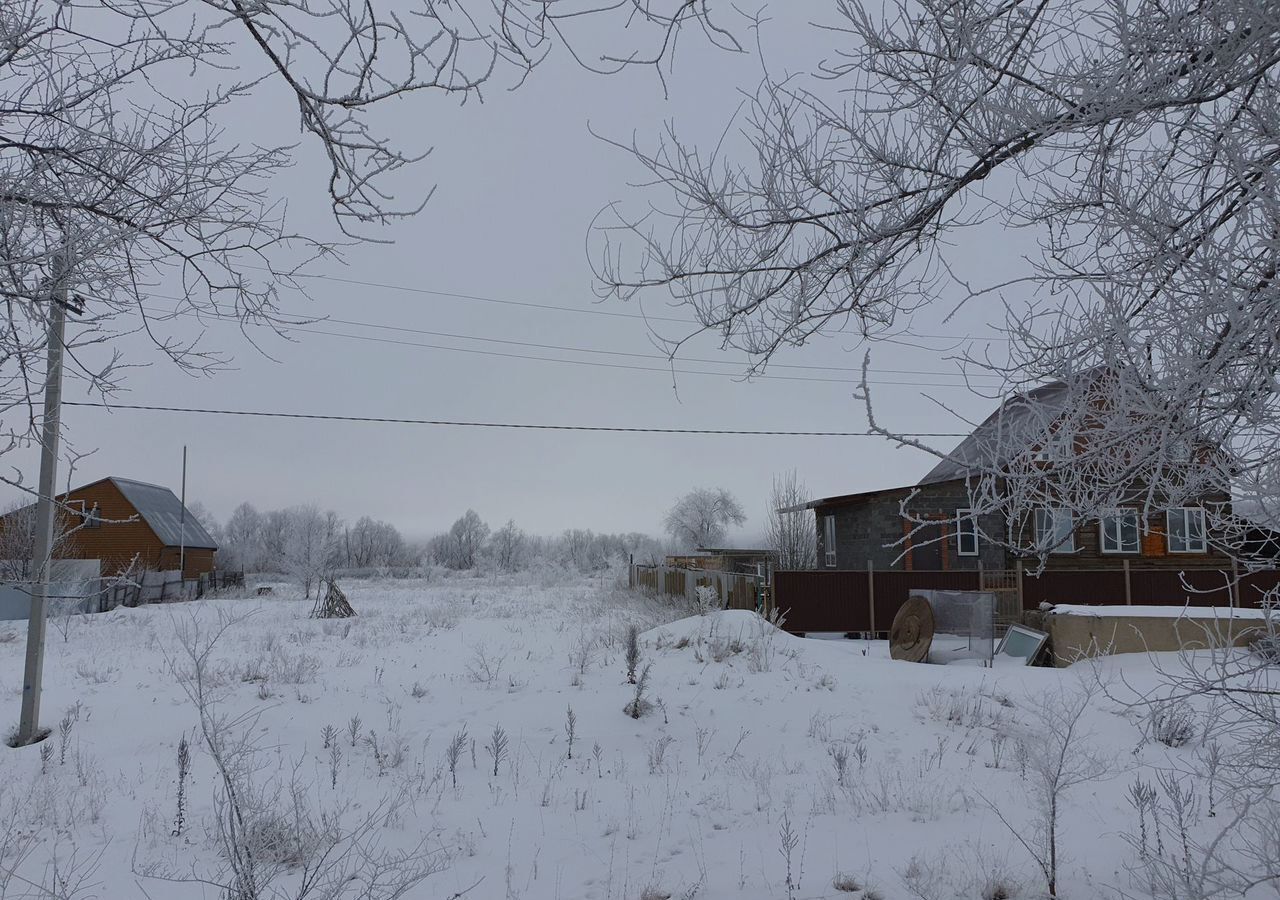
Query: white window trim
(1068, 546)
(961, 516)
(829, 540)
(1204, 537)
(1102, 533)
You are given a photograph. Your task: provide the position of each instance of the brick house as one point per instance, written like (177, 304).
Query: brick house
(126, 523)
(869, 529)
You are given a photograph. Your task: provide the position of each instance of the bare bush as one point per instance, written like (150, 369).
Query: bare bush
(1058, 758)
(631, 652)
(1172, 724)
(266, 832)
(639, 704)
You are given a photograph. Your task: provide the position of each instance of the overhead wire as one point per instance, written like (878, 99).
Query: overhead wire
(531, 426)
(414, 289)
(307, 328)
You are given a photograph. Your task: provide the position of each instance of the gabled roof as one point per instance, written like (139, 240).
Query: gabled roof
(163, 512)
(1022, 420)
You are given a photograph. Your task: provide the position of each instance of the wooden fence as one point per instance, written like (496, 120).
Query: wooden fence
(866, 602)
(163, 587)
(734, 590)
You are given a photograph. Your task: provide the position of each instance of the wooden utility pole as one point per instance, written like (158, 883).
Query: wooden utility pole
(29, 723)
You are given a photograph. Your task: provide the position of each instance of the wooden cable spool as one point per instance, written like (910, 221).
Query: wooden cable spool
(912, 631)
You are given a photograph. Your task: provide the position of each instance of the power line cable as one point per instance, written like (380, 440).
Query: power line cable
(413, 289)
(665, 369)
(387, 420)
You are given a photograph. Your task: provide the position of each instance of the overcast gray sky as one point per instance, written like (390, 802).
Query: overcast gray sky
(519, 179)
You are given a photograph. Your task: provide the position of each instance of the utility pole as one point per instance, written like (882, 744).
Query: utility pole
(29, 723)
(182, 521)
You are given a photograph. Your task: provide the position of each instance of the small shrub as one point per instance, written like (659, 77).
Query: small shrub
(184, 770)
(453, 753)
(658, 753)
(708, 599)
(498, 747)
(1172, 724)
(845, 883)
(639, 704)
(632, 653)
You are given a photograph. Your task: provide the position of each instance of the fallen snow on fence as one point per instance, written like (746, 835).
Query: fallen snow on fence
(476, 727)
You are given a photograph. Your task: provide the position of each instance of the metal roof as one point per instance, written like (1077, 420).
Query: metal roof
(1021, 421)
(161, 509)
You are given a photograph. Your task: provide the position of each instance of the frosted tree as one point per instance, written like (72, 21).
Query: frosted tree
(1135, 144)
(17, 539)
(701, 518)
(370, 543)
(460, 547)
(311, 545)
(242, 538)
(791, 535)
(128, 180)
(508, 546)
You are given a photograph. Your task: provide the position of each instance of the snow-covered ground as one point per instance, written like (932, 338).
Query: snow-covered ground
(884, 776)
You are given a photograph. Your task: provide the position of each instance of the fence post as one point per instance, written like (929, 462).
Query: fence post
(1234, 592)
(1128, 586)
(1022, 603)
(871, 596)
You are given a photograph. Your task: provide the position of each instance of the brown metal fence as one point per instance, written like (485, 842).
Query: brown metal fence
(856, 601)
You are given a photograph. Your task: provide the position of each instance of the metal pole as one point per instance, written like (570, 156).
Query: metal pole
(871, 596)
(182, 521)
(29, 723)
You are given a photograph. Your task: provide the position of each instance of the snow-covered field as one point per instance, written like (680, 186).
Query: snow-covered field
(766, 766)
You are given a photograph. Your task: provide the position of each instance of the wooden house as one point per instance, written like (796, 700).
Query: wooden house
(931, 526)
(125, 523)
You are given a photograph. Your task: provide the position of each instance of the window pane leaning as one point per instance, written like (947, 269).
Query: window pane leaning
(1186, 530)
(1055, 530)
(966, 533)
(1120, 531)
(829, 539)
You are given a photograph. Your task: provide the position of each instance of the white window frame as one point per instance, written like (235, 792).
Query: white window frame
(1120, 550)
(1054, 514)
(963, 516)
(829, 540)
(1183, 512)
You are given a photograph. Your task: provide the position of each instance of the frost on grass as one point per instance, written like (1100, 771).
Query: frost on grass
(554, 789)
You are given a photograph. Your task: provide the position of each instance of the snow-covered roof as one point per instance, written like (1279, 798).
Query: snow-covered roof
(161, 509)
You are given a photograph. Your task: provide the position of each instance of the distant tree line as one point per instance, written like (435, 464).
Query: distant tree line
(307, 542)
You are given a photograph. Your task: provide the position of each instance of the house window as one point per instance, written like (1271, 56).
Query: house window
(966, 533)
(829, 540)
(1120, 531)
(1055, 530)
(1186, 530)
(93, 518)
